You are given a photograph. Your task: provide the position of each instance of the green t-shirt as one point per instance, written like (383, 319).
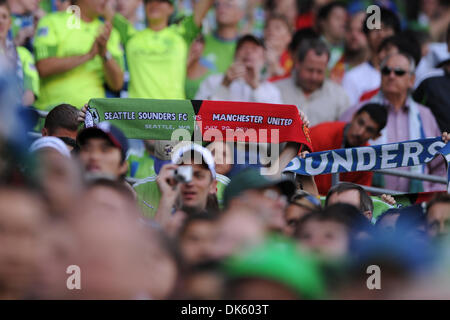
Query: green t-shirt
(140, 166)
(219, 53)
(30, 74)
(148, 194)
(157, 59)
(58, 36)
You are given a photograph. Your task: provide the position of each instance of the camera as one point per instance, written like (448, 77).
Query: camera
(183, 174)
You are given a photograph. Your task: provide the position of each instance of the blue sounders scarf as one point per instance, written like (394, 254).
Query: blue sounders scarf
(385, 156)
(416, 131)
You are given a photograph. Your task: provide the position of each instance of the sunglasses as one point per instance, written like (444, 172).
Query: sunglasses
(398, 71)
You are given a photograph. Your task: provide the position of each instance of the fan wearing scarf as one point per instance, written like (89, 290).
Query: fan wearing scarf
(407, 120)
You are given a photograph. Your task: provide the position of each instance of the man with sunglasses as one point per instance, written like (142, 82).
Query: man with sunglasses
(407, 120)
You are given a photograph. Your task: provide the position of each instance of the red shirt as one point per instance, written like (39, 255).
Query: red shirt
(330, 136)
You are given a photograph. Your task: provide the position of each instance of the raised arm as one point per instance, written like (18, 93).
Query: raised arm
(201, 9)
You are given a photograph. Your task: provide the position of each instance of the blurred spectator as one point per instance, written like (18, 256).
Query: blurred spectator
(298, 37)
(274, 270)
(386, 222)
(356, 49)
(366, 76)
(431, 15)
(58, 177)
(204, 281)
(346, 192)
(407, 120)
(25, 14)
(62, 5)
(331, 23)
(434, 91)
(75, 71)
(142, 165)
(116, 197)
(300, 204)
(160, 73)
(365, 125)
(19, 58)
(197, 67)
(243, 80)
(411, 223)
(319, 98)
(50, 144)
(61, 122)
(196, 238)
(438, 216)
(261, 195)
(277, 37)
(130, 10)
(327, 233)
(103, 150)
(220, 45)
(401, 260)
(286, 8)
(116, 251)
(22, 219)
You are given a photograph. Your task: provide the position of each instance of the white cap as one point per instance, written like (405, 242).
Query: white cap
(50, 142)
(182, 148)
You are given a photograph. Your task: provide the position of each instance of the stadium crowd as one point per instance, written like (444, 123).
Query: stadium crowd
(141, 220)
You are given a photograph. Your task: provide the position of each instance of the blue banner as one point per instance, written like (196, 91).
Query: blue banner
(385, 156)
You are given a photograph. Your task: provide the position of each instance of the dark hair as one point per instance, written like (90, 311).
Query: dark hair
(387, 213)
(4, 3)
(405, 42)
(299, 36)
(248, 38)
(341, 213)
(203, 216)
(388, 18)
(365, 202)
(326, 10)
(377, 113)
(411, 217)
(448, 33)
(318, 46)
(438, 198)
(63, 116)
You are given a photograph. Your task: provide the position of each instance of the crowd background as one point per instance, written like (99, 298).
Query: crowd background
(120, 209)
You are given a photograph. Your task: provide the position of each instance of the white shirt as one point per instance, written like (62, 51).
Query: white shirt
(212, 89)
(359, 80)
(325, 104)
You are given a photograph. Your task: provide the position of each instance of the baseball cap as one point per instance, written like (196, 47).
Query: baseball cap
(249, 38)
(280, 261)
(172, 2)
(251, 178)
(182, 148)
(50, 142)
(108, 131)
(305, 200)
